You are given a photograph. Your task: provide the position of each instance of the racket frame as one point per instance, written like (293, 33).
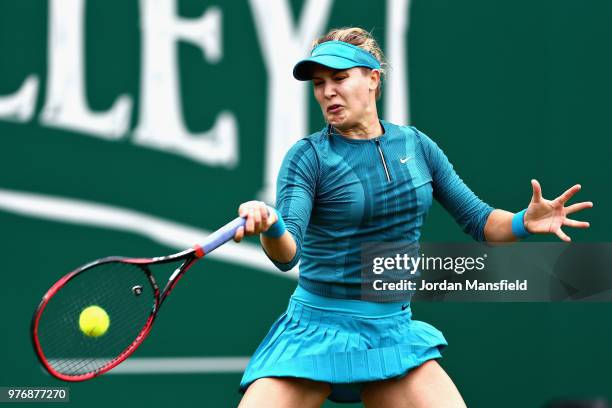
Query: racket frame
(188, 256)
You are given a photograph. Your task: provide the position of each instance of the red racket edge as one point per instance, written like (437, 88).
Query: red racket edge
(125, 353)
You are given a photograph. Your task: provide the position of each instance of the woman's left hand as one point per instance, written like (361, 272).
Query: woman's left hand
(547, 217)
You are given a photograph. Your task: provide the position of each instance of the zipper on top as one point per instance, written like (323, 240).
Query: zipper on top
(382, 158)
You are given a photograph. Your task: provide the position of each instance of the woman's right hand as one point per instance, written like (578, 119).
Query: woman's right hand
(259, 217)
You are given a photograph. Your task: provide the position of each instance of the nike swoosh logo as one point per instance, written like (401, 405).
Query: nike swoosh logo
(405, 159)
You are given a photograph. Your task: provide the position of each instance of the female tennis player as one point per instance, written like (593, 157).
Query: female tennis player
(361, 179)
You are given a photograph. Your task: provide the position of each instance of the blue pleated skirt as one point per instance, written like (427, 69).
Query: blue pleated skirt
(345, 343)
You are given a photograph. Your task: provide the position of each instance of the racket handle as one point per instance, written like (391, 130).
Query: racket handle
(222, 235)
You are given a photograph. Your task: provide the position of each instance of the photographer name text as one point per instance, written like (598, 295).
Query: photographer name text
(447, 286)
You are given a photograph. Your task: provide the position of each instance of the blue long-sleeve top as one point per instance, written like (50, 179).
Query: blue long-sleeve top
(336, 193)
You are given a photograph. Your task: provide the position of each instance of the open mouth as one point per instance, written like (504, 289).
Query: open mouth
(334, 108)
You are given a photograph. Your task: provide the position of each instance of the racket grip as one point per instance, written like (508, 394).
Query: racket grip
(222, 235)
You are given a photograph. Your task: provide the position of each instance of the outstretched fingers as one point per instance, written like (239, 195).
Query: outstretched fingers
(569, 193)
(537, 191)
(576, 224)
(562, 235)
(578, 206)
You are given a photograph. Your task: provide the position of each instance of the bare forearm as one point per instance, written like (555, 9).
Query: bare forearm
(499, 227)
(281, 249)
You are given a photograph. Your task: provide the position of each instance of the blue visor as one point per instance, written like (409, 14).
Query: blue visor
(335, 55)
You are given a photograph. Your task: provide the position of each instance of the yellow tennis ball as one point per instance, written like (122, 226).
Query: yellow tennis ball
(94, 321)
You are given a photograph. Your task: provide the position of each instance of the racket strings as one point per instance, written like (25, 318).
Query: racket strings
(122, 290)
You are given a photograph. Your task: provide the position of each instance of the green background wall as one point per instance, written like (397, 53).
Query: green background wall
(511, 90)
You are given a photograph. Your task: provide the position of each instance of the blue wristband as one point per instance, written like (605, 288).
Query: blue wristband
(277, 229)
(518, 225)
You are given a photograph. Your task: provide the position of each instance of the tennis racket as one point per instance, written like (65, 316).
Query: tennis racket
(126, 290)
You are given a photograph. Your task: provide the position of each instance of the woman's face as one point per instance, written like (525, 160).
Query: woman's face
(347, 97)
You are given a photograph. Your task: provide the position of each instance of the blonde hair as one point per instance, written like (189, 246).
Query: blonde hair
(360, 38)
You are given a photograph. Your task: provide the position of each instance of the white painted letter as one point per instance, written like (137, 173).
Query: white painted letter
(20, 105)
(161, 124)
(66, 106)
(397, 108)
(283, 45)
